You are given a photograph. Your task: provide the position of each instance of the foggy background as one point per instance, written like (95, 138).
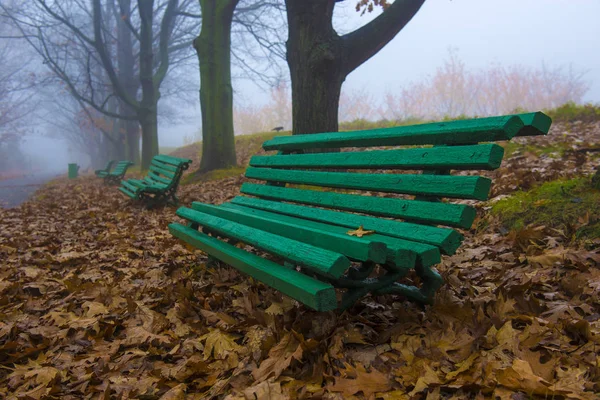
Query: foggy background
(528, 33)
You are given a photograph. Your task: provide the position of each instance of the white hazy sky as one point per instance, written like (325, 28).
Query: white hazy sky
(527, 32)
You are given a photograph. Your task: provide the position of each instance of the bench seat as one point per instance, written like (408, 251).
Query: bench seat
(359, 221)
(160, 185)
(117, 173)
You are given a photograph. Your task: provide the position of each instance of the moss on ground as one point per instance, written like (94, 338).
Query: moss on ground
(213, 175)
(556, 150)
(570, 205)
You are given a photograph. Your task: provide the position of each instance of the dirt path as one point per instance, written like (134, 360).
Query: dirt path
(13, 192)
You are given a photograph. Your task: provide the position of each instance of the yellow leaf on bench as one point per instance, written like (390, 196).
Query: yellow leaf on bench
(360, 232)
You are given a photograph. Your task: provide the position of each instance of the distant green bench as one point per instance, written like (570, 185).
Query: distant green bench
(159, 187)
(318, 254)
(117, 173)
(102, 172)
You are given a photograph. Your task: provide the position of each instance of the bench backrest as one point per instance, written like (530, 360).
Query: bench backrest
(121, 168)
(167, 170)
(109, 165)
(437, 149)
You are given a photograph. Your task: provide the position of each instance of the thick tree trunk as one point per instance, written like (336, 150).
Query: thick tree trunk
(126, 62)
(216, 94)
(148, 105)
(314, 55)
(320, 59)
(149, 124)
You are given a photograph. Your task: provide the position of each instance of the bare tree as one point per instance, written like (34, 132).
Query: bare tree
(73, 38)
(213, 47)
(320, 59)
(17, 103)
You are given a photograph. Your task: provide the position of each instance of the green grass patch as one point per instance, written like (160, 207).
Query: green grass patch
(571, 112)
(555, 150)
(166, 149)
(213, 175)
(570, 205)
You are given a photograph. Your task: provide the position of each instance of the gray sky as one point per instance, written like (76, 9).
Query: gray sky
(527, 32)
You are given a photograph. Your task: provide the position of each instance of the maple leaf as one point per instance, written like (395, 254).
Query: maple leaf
(176, 393)
(360, 232)
(280, 358)
(220, 345)
(368, 383)
(520, 377)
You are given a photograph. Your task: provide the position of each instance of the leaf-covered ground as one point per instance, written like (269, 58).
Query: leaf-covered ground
(97, 300)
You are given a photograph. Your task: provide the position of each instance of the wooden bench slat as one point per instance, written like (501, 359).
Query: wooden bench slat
(452, 132)
(536, 123)
(401, 253)
(321, 261)
(466, 187)
(413, 210)
(475, 157)
(162, 171)
(130, 186)
(128, 192)
(176, 161)
(365, 249)
(162, 165)
(159, 179)
(448, 240)
(315, 294)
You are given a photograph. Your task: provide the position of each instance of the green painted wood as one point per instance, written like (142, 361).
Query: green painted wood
(166, 167)
(130, 186)
(136, 183)
(172, 160)
(160, 179)
(133, 195)
(413, 210)
(485, 156)
(313, 293)
(536, 123)
(162, 171)
(106, 169)
(467, 187)
(452, 132)
(400, 253)
(448, 240)
(366, 249)
(154, 185)
(324, 262)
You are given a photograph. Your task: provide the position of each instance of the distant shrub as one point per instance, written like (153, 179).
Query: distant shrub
(362, 124)
(571, 112)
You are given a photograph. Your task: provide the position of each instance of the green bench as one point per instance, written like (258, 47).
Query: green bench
(118, 172)
(318, 233)
(102, 172)
(159, 187)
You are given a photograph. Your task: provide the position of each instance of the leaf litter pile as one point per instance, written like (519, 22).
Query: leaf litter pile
(98, 300)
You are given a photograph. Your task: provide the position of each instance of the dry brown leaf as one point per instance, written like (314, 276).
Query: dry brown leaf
(368, 383)
(360, 232)
(280, 358)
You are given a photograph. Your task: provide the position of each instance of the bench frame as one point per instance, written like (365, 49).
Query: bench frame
(309, 239)
(147, 191)
(118, 173)
(100, 172)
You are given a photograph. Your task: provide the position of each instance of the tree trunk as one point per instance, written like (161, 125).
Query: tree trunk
(149, 124)
(314, 56)
(319, 59)
(126, 62)
(149, 103)
(216, 94)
